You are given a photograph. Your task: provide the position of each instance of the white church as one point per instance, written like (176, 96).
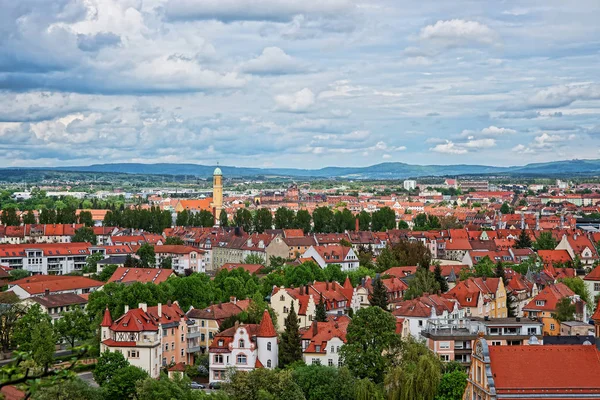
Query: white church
(244, 347)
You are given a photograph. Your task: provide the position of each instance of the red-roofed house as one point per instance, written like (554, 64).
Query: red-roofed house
(143, 275)
(592, 281)
(251, 268)
(544, 305)
(579, 246)
(46, 258)
(321, 342)
(149, 337)
(40, 285)
(244, 347)
(481, 297)
(551, 372)
(427, 307)
(182, 257)
(333, 254)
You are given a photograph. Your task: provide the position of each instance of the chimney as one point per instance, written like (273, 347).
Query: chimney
(46, 292)
(169, 303)
(315, 327)
(159, 310)
(233, 299)
(126, 308)
(143, 306)
(356, 226)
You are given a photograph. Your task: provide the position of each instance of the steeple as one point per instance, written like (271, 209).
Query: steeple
(266, 328)
(106, 320)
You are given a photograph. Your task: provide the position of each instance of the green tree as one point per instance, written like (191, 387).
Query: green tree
(123, 383)
(10, 314)
(323, 220)
(411, 253)
(565, 310)
(402, 224)
(371, 343)
(379, 294)
(383, 219)
(303, 221)
(511, 307)
(366, 389)
(243, 219)
(9, 217)
(284, 218)
(545, 241)
(452, 385)
(107, 272)
(166, 388)
(417, 375)
(84, 235)
(577, 285)
(263, 220)
(320, 382)
(499, 273)
(437, 273)
(485, 268)
(386, 260)
(23, 332)
(364, 221)
(91, 263)
(166, 263)
(505, 209)
(69, 389)
(73, 326)
(290, 346)
(48, 216)
(223, 219)
(174, 240)
(108, 364)
(183, 218)
(17, 274)
(85, 218)
(146, 255)
(263, 384)
(423, 282)
(320, 311)
(43, 343)
(29, 217)
(523, 241)
(254, 259)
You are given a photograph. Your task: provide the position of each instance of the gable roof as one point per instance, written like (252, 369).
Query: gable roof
(538, 369)
(38, 284)
(143, 275)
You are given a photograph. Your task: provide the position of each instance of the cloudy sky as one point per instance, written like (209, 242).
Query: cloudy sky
(298, 83)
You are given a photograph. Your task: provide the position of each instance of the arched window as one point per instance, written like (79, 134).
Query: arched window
(269, 363)
(241, 343)
(269, 347)
(241, 359)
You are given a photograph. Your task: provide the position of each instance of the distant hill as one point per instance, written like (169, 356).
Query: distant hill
(392, 170)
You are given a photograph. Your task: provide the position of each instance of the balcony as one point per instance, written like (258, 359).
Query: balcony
(194, 349)
(192, 335)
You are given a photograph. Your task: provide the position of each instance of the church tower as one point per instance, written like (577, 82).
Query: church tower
(217, 194)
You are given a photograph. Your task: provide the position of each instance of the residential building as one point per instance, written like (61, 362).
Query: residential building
(182, 258)
(544, 305)
(244, 347)
(481, 297)
(207, 321)
(43, 285)
(428, 307)
(533, 372)
(409, 185)
(55, 304)
(579, 246)
(46, 258)
(149, 337)
(333, 254)
(321, 342)
(592, 281)
(453, 340)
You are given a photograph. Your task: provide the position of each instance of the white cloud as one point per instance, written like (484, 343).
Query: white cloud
(448, 148)
(522, 149)
(495, 131)
(564, 95)
(545, 140)
(296, 102)
(273, 60)
(458, 32)
(480, 143)
(386, 156)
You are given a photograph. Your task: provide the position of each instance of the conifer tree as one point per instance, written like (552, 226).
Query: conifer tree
(524, 241)
(290, 348)
(379, 295)
(437, 272)
(321, 312)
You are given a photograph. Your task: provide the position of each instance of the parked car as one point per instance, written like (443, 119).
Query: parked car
(196, 385)
(214, 385)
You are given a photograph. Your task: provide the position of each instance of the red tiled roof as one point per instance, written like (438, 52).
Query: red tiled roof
(251, 268)
(266, 327)
(547, 370)
(594, 275)
(176, 249)
(106, 319)
(143, 275)
(114, 343)
(551, 257)
(550, 295)
(55, 283)
(11, 392)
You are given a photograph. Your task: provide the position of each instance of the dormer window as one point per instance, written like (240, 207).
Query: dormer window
(540, 302)
(220, 343)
